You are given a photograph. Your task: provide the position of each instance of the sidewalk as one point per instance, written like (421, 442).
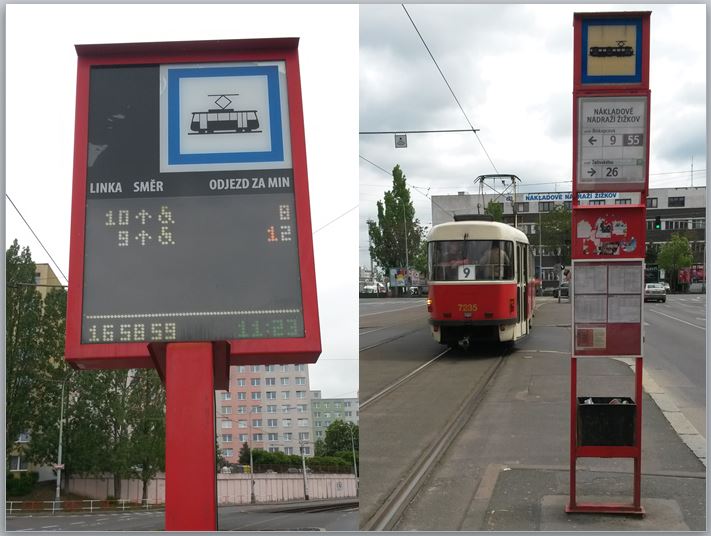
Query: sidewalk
(525, 485)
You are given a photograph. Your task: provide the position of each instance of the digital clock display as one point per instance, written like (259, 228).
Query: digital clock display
(198, 244)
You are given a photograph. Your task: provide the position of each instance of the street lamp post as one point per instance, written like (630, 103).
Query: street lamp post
(303, 469)
(407, 260)
(355, 464)
(59, 448)
(252, 496)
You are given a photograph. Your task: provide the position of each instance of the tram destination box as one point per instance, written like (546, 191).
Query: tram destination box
(190, 207)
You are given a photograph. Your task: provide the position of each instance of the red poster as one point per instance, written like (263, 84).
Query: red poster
(608, 232)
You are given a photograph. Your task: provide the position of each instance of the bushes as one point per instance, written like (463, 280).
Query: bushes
(24, 483)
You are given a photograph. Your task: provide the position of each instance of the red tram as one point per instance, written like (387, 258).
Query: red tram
(481, 284)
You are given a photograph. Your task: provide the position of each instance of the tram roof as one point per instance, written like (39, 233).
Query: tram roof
(475, 230)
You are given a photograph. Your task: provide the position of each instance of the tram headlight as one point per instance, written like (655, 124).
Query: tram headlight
(429, 305)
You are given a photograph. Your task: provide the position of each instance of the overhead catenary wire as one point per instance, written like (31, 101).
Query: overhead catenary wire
(415, 187)
(37, 238)
(334, 219)
(450, 88)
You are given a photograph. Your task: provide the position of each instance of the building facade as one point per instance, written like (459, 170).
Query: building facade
(267, 407)
(681, 210)
(45, 279)
(326, 410)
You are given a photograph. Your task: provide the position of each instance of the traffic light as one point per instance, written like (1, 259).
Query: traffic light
(658, 223)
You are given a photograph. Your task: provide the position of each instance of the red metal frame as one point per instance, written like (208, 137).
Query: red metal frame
(634, 452)
(242, 351)
(608, 90)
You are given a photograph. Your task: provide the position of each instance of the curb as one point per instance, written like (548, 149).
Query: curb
(678, 421)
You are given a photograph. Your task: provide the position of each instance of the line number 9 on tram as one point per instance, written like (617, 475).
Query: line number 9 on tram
(466, 272)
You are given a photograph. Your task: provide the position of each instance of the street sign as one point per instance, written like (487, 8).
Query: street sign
(612, 139)
(611, 50)
(401, 141)
(190, 214)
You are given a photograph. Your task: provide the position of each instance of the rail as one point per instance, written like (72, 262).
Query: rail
(85, 505)
(392, 507)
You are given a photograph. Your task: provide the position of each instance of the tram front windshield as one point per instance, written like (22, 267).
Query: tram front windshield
(470, 260)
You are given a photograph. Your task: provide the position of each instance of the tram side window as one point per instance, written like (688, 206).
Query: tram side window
(471, 260)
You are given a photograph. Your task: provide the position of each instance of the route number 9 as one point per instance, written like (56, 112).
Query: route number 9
(466, 272)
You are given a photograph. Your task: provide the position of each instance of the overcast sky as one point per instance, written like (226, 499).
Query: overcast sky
(511, 68)
(40, 98)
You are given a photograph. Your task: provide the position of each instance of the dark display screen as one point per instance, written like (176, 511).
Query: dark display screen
(179, 256)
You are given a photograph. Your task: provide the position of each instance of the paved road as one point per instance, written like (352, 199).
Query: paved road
(675, 352)
(508, 469)
(243, 518)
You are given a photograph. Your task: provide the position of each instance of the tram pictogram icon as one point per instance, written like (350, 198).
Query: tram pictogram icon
(224, 120)
(621, 50)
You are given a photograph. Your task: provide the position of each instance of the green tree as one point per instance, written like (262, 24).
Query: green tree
(25, 352)
(320, 447)
(652, 253)
(555, 229)
(146, 419)
(396, 236)
(675, 255)
(495, 210)
(338, 438)
(244, 454)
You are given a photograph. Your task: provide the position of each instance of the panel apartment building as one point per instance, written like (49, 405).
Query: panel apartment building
(326, 410)
(267, 407)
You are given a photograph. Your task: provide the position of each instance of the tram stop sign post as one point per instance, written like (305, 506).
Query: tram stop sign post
(611, 117)
(191, 242)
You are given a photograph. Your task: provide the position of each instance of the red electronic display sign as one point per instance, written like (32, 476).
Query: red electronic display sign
(190, 205)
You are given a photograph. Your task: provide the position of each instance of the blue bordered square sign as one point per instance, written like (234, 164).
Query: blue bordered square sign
(611, 51)
(224, 117)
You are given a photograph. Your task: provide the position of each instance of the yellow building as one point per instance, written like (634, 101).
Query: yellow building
(45, 279)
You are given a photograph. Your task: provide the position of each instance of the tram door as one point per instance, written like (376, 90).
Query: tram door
(521, 280)
(520, 286)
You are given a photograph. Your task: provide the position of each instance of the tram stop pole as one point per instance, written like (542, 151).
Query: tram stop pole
(190, 371)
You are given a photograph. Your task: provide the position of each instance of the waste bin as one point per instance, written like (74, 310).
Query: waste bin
(607, 421)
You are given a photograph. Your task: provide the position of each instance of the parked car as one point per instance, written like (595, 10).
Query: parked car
(667, 288)
(655, 292)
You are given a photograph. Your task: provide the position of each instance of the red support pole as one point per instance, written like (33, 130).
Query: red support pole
(190, 472)
(637, 492)
(573, 428)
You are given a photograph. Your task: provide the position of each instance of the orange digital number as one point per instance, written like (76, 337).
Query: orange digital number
(467, 307)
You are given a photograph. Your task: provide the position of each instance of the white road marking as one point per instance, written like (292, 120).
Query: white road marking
(371, 331)
(678, 319)
(393, 310)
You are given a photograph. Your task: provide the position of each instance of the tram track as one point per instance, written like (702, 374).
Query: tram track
(400, 381)
(392, 504)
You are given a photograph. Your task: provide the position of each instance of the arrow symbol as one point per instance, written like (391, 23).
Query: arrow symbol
(592, 140)
(591, 172)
